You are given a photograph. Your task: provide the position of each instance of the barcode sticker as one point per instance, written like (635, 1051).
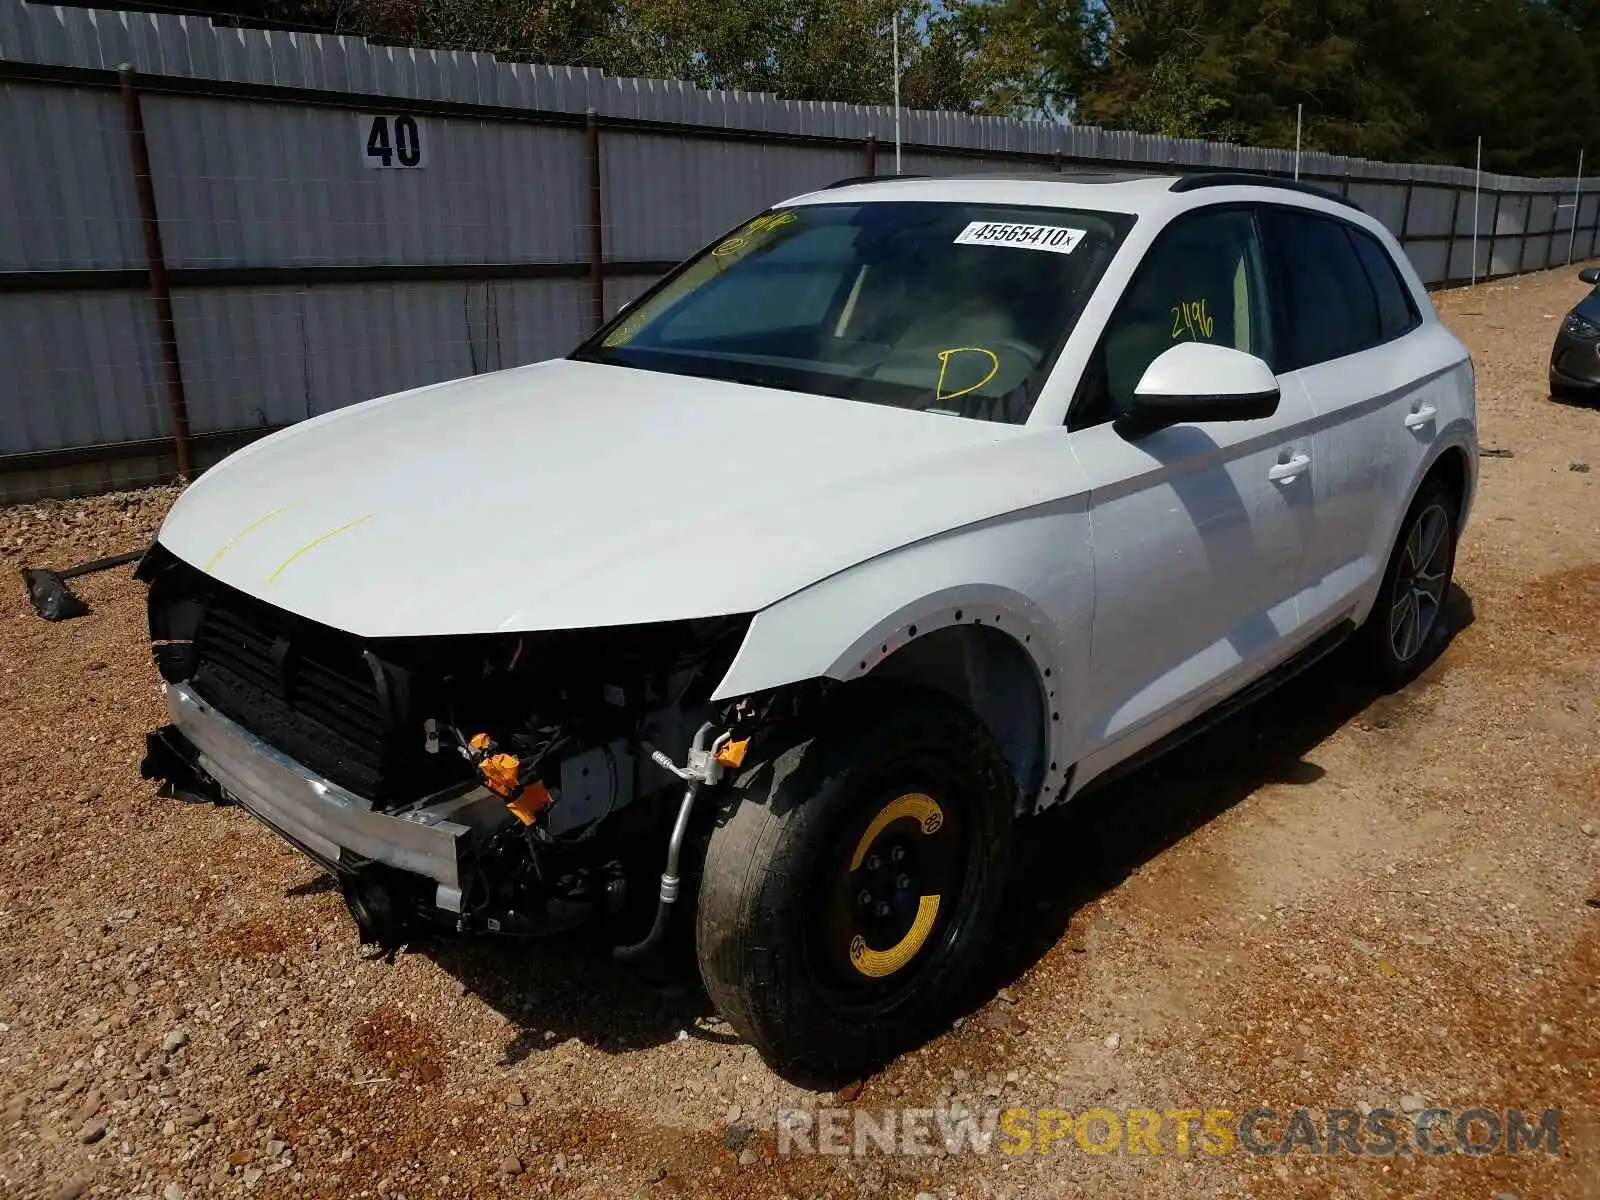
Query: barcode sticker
(1057, 239)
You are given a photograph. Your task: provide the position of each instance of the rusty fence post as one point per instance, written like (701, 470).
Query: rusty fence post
(1494, 228)
(597, 268)
(1527, 228)
(160, 293)
(1450, 242)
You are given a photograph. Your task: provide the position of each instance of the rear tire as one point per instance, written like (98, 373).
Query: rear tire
(1406, 629)
(851, 887)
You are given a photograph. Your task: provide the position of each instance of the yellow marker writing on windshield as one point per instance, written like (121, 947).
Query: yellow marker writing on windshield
(762, 224)
(944, 362)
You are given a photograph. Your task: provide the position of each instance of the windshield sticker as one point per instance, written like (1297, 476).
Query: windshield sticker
(1057, 239)
(944, 365)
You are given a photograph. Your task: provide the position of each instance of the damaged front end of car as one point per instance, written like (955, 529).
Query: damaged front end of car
(511, 783)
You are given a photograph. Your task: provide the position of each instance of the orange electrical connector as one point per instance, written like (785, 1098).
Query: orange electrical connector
(499, 774)
(732, 753)
(530, 802)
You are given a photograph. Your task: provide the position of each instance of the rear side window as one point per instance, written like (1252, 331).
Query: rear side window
(1330, 307)
(1397, 314)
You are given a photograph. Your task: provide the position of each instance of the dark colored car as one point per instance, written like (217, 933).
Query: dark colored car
(1575, 362)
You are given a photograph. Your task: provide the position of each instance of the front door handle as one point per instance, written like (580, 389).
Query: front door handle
(1419, 418)
(1285, 472)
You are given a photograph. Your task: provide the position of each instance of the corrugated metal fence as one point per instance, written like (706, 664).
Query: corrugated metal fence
(334, 220)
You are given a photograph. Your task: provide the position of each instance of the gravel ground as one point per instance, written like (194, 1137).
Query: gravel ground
(1337, 899)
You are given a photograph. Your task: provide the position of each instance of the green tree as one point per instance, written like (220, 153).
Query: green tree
(570, 32)
(1237, 70)
(803, 49)
(1390, 79)
(1029, 57)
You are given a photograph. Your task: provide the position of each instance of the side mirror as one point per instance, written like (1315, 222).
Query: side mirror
(1197, 381)
(1590, 275)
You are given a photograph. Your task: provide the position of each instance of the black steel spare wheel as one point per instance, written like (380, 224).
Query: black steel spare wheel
(892, 881)
(850, 886)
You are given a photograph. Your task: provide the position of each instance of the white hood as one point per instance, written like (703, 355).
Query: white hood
(570, 494)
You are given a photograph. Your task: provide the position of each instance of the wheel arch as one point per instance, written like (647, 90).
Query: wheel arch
(1453, 467)
(987, 647)
(991, 674)
(1454, 460)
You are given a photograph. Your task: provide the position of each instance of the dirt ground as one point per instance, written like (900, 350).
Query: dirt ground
(1337, 900)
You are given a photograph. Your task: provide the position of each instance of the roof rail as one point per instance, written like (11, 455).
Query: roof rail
(852, 180)
(1046, 175)
(1205, 179)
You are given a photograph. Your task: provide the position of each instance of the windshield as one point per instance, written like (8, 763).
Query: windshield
(951, 308)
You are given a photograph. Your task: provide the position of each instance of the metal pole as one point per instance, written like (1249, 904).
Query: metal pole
(896, 28)
(155, 259)
(1299, 112)
(1577, 207)
(872, 154)
(597, 270)
(1477, 182)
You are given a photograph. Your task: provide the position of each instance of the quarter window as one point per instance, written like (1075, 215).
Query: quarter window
(1397, 314)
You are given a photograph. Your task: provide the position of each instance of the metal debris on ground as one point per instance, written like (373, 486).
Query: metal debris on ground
(49, 594)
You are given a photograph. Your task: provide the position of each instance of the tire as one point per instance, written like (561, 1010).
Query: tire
(852, 884)
(1397, 648)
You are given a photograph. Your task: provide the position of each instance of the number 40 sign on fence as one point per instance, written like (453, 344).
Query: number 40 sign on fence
(392, 141)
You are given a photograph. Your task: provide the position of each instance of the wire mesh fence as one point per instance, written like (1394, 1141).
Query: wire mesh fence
(257, 229)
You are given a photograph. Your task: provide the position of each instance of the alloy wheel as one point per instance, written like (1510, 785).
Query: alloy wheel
(1419, 583)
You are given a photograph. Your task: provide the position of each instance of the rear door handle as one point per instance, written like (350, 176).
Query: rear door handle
(1416, 420)
(1284, 472)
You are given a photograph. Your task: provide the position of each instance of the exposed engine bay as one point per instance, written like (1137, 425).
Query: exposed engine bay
(550, 761)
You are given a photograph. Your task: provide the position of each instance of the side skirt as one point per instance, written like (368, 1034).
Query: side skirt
(1324, 645)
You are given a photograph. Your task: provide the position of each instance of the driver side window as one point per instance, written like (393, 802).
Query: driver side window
(1203, 280)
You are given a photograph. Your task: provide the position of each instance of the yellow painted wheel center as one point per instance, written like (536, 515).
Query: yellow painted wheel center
(876, 964)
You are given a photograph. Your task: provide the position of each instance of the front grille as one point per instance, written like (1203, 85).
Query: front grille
(308, 690)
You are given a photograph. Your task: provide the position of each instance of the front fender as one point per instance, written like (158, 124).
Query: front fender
(1029, 576)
